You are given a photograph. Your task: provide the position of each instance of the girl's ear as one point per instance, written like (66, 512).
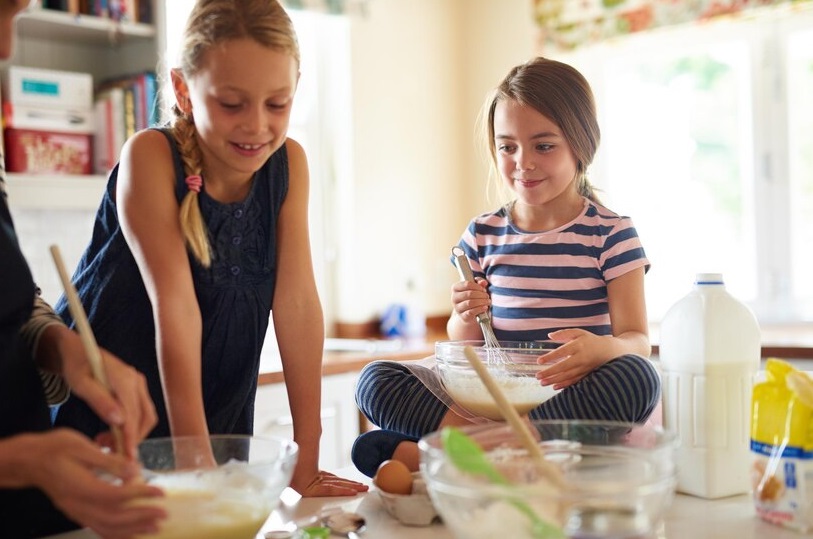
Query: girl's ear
(181, 90)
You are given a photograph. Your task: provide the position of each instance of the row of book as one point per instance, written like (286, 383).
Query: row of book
(123, 106)
(119, 10)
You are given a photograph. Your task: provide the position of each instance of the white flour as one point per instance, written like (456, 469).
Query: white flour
(524, 392)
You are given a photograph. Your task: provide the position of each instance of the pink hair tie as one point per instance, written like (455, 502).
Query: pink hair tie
(194, 183)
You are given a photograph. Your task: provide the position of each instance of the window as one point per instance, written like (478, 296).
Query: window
(799, 53)
(706, 145)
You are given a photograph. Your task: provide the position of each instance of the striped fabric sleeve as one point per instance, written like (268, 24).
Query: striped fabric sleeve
(56, 389)
(622, 251)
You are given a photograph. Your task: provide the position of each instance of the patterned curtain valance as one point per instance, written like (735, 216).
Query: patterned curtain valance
(567, 24)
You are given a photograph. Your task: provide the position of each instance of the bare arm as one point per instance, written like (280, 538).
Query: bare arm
(297, 313)
(628, 315)
(149, 214)
(583, 351)
(299, 326)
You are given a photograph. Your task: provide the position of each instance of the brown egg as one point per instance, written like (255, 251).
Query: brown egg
(394, 477)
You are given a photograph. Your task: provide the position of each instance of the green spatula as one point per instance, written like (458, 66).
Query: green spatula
(469, 457)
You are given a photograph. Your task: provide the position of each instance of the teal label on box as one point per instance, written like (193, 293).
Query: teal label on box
(40, 87)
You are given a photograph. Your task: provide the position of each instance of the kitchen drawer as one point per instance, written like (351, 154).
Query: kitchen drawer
(340, 424)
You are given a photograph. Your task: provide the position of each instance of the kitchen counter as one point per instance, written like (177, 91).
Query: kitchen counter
(350, 355)
(688, 517)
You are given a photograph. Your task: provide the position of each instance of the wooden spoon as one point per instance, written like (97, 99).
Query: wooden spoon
(510, 414)
(86, 334)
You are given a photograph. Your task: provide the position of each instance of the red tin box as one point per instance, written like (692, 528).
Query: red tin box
(38, 152)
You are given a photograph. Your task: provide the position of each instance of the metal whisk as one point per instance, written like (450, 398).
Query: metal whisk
(494, 354)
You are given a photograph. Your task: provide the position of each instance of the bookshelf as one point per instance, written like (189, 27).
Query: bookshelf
(103, 47)
(54, 25)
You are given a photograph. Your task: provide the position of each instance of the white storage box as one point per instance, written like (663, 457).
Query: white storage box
(48, 119)
(33, 87)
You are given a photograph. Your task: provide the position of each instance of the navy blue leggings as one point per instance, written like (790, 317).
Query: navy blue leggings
(626, 389)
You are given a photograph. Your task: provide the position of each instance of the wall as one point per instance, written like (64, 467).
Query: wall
(39, 229)
(421, 70)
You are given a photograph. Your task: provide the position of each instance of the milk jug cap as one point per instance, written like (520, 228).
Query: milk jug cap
(708, 279)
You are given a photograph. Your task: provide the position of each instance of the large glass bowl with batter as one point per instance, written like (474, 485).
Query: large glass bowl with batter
(513, 367)
(217, 487)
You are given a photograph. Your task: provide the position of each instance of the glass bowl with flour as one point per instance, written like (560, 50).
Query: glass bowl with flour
(216, 487)
(617, 481)
(513, 367)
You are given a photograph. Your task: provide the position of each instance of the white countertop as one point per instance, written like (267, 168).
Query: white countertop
(688, 518)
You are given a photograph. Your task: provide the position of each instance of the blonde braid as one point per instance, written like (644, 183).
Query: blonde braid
(211, 23)
(192, 224)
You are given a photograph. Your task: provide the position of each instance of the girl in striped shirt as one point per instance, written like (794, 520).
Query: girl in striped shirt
(552, 264)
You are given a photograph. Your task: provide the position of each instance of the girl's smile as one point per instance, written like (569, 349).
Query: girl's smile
(249, 150)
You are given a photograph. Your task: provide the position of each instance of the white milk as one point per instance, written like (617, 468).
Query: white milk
(710, 352)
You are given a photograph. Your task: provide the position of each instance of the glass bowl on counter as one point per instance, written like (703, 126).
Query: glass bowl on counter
(617, 481)
(513, 367)
(216, 487)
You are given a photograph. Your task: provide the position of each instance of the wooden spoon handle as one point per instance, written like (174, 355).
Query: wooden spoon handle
(86, 335)
(512, 417)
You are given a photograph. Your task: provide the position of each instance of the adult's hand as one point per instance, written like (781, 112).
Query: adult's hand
(127, 405)
(93, 487)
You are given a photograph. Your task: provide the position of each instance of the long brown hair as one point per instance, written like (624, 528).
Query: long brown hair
(210, 23)
(559, 92)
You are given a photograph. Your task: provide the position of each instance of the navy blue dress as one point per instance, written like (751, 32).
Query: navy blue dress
(234, 294)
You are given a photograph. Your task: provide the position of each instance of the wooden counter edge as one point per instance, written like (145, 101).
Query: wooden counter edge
(344, 362)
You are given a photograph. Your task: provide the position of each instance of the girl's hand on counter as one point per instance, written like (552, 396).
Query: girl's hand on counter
(328, 484)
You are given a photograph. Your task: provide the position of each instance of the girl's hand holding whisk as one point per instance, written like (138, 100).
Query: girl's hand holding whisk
(469, 300)
(581, 353)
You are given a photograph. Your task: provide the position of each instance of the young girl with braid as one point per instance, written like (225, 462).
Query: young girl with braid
(551, 264)
(203, 231)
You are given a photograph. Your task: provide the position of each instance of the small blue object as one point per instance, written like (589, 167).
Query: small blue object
(394, 321)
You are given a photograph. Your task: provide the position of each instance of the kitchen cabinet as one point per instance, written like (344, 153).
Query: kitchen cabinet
(106, 49)
(340, 417)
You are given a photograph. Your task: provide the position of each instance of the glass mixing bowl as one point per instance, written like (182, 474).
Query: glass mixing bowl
(231, 499)
(513, 368)
(618, 480)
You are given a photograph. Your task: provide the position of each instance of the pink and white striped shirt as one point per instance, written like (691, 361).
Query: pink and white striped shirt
(557, 279)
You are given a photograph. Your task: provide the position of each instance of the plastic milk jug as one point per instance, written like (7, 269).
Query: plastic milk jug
(710, 354)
